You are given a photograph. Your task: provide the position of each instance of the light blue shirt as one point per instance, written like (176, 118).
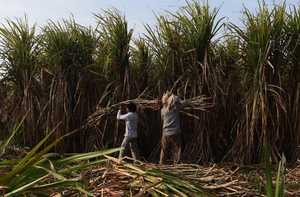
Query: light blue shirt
(131, 121)
(171, 119)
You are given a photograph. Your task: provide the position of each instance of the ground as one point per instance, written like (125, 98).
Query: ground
(117, 179)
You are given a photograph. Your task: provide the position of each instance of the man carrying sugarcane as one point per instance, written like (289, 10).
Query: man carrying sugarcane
(130, 137)
(171, 131)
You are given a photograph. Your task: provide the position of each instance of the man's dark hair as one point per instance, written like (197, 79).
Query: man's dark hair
(131, 107)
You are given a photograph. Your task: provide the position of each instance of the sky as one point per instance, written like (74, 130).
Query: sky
(137, 12)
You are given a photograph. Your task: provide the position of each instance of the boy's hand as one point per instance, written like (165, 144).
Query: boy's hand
(122, 108)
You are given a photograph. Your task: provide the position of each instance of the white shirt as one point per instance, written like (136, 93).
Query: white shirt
(131, 121)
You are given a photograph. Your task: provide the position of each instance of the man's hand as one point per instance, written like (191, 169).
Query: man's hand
(158, 104)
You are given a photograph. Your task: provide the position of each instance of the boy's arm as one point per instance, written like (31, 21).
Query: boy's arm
(122, 117)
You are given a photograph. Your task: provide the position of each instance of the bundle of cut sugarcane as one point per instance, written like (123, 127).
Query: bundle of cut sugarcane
(116, 178)
(199, 103)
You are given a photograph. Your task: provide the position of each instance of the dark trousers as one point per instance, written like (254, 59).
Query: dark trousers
(130, 142)
(170, 149)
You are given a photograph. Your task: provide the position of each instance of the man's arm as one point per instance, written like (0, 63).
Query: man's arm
(181, 103)
(161, 120)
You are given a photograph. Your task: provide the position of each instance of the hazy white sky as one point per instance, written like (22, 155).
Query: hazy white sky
(137, 12)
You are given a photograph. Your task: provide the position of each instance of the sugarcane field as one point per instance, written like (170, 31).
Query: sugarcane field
(193, 103)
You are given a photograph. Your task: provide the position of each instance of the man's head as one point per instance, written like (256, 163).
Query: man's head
(131, 107)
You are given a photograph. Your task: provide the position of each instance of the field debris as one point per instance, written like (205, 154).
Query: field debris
(141, 179)
(108, 176)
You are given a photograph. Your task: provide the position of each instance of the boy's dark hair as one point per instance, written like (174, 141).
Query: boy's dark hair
(131, 107)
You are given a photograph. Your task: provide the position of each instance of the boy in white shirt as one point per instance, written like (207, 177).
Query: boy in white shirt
(130, 137)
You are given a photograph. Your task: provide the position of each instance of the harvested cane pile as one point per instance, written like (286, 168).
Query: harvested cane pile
(97, 174)
(125, 179)
(199, 103)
